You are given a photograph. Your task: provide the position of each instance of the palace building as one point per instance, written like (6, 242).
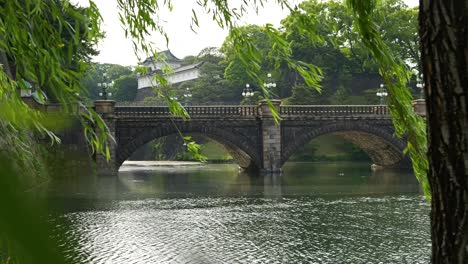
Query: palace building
(181, 73)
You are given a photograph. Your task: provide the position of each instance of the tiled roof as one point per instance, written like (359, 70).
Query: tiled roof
(166, 55)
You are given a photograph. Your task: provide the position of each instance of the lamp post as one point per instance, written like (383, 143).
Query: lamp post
(187, 95)
(271, 84)
(247, 92)
(382, 93)
(104, 86)
(420, 86)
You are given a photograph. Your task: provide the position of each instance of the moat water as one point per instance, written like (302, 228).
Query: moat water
(312, 213)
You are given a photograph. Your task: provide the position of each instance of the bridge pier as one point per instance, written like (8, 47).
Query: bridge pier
(419, 106)
(271, 138)
(106, 109)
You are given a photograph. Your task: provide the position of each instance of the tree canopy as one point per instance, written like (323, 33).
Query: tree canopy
(349, 73)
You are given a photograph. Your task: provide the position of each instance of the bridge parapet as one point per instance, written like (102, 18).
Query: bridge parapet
(335, 110)
(253, 111)
(247, 110)
(194, 111)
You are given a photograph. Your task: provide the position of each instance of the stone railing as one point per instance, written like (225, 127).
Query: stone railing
(245, 110)
(141, 111)
(164, 103)
(254, 111)
(334, 110)
(193, 111)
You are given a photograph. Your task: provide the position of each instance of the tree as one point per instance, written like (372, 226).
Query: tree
(100, 73)
(210, 87)
(125, 88)
(339, 51)
(331, 50)
(399, 29)
(304, 95)
(236, 72)
(340, 97)
(443, 27)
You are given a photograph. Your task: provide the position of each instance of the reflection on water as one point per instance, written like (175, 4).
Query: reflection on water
(313, 213)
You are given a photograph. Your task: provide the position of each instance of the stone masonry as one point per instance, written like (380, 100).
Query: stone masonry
(251, 134)
(106, 108)
(271, 138)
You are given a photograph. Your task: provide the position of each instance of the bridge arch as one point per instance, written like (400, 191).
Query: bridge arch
(241, 148)
(376, 141)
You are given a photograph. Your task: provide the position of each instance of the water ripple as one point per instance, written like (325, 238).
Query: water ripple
(391, 229)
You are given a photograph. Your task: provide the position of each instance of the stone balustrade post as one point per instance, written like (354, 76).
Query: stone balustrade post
(419, 106)
(106, 109)
(271, 138)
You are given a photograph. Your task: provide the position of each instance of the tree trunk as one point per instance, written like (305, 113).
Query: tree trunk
(444, 34)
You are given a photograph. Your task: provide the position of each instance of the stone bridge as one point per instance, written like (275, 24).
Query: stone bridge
(250, 133)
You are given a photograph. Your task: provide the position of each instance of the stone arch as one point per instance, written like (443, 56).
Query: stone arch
(377, 141)
(241, 148)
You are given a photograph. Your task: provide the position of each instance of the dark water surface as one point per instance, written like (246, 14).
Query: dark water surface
(313, 213)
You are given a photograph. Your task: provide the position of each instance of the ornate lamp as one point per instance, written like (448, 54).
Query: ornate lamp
(247, 92)
(271, 84)
(104, 85)
(382, 93)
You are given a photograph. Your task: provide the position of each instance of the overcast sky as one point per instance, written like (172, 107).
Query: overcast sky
(182, 41)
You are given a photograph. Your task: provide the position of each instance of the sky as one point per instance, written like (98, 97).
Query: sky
(116, 49)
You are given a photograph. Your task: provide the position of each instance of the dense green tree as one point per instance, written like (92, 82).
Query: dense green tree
(114, 71)
(210, 87)
(334, 45)
(340, 52)
(304, 95)
(124, 88)
(236, 72)
(341, 96)
(399, 29)
(101, 73)
(94, 75)
(189, 60)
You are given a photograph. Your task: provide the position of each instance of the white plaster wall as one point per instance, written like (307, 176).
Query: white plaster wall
(145, 81)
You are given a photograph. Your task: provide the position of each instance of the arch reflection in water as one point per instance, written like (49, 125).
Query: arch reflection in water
(299, 178)
(345, 178)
